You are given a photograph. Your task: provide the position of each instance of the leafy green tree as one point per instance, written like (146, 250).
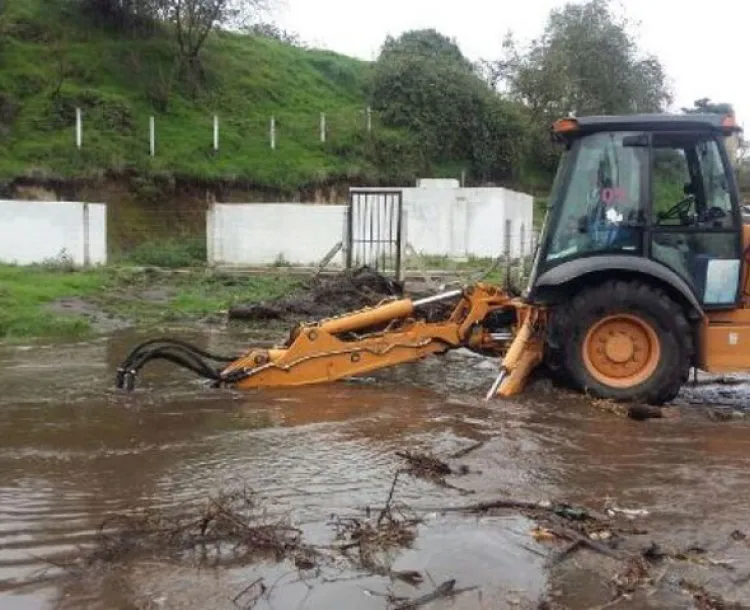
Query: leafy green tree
(585, 62)
(423, 82)
(706, 106)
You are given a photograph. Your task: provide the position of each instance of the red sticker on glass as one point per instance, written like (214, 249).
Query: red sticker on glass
(613, 195)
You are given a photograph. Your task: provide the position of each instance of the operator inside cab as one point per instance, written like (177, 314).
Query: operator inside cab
(602, 210)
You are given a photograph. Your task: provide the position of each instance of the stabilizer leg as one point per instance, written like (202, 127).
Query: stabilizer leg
(523, 356)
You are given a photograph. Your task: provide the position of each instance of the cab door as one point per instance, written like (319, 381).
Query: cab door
(695, 219)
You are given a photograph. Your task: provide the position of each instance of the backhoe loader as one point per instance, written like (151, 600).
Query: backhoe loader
(640, 275)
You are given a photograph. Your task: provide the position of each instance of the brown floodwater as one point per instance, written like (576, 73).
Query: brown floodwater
(73, 450)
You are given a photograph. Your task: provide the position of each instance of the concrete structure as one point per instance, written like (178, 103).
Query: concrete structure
(38, 231)
(443, 219)
(268, 233)
(440, 219)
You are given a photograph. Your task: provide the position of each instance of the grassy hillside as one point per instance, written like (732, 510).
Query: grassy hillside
(53, 60)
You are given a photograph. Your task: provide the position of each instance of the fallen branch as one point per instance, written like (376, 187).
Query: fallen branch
(254, 599)
(580, 540)
(709, 601)
(431, 468)
(447, 589)
(561, 510)
(462, 453)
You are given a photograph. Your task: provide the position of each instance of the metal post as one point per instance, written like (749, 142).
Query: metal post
(399, 232)
(273, 133)
(522, 244)
(79, 128)
(216, 133)
(152, 135)
(323, 127)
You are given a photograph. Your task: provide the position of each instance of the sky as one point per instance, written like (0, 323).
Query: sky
(699, 44)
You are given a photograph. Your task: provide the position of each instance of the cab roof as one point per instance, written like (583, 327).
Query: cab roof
(717, 123)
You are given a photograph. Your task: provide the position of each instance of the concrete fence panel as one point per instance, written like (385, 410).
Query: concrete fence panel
(446, 220)
(240, 234)
(38, 231)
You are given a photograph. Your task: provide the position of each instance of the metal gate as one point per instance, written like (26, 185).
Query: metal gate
(375, 230)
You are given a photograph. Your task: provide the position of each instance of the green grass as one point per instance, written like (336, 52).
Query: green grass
(53, 60)
(143, 298)
(170, 253)
(24, 293)
(187, 296)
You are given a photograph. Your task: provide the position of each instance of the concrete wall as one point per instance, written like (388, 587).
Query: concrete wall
(443, 219)
(261, 234)
(35, 231)
(439, 218)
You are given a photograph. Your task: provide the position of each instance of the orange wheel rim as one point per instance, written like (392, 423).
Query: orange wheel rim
(621, 351)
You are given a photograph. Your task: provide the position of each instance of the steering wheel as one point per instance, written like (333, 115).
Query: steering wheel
(712, 214)
(679, 210)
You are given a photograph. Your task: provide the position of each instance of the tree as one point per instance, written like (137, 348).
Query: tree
(585, 62)
(422, 82)
(706, 106)
(194, 20)
(136, 16)
(426, 44)
(274, 32)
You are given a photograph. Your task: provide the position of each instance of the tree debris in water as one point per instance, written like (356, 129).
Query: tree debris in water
(232, 525)
(462, 453)
(447, 589)
(236, 528)
(373, 537)
(432, 469)
(707, 601)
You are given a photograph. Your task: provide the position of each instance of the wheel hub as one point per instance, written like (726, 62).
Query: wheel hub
(621, 350)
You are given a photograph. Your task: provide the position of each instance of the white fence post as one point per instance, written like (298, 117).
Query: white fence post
(86, 237)
(273, 133)
(152, 135)
(79, 128)
(323, 127)
(369, 119)
(216, 133)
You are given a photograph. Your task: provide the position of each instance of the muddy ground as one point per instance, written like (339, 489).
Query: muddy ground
(74, 452)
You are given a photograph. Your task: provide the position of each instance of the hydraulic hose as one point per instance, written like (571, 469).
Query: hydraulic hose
(178, 352)
(184, 344)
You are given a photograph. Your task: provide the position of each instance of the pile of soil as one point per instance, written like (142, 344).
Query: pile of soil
(324, 297)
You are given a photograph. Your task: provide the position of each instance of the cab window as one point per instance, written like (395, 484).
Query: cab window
(603, 208)
(690, 183)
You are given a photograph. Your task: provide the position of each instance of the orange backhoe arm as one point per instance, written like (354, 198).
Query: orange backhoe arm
(370, 339)
(392, 333)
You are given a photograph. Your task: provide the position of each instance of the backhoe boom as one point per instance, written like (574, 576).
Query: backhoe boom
(355, 343)
(484, 319)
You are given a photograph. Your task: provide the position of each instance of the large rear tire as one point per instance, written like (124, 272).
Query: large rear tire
(621, 340)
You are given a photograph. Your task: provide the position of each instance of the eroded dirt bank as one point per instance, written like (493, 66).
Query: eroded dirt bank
(73, 451)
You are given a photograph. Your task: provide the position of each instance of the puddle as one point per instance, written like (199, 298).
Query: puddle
(73, 450)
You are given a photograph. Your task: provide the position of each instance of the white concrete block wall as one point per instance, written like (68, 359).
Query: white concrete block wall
(263, 233)
(463, 222)
(457, 222)
(34, 231)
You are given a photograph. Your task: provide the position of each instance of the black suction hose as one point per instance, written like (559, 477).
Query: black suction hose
(178, 352)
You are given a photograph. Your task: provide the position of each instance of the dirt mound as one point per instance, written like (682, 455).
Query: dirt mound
(324, 297)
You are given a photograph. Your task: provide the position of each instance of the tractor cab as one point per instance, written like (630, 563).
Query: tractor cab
(652, 195)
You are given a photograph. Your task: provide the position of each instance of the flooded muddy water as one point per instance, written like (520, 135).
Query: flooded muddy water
(73, 450)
